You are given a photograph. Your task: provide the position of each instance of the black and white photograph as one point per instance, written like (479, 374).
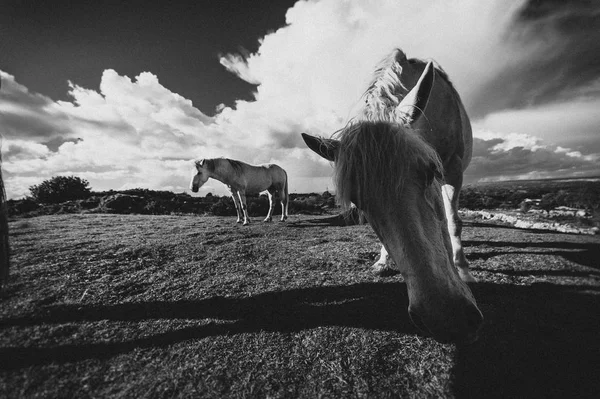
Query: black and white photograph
(300, 199)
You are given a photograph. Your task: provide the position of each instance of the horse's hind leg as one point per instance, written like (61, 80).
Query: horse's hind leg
(284, 198)
(450, 195)
(269, 217)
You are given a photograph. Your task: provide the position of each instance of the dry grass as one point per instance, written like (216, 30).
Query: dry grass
(167, 306)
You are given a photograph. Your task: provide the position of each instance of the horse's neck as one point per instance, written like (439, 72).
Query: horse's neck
(223, 172)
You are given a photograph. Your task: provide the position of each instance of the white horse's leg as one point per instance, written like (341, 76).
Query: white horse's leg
(271, 206)
(382, 262)
(242, 196)
(238, 206)
(450, 196)
(283, 197)
(381, 267)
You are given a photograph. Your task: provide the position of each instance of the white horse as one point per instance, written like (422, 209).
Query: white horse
(242, 178)
(400, 161)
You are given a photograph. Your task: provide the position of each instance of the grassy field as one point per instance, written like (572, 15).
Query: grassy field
(129, 306)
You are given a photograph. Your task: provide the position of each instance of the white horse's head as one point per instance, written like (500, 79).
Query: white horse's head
(201, 174)
(392, 175)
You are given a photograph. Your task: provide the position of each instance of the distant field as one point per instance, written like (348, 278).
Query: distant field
(135, 306)
(583, 193)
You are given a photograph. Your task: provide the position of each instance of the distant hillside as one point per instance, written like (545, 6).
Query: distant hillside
(143, 201)
(582, 193)
(548, 194)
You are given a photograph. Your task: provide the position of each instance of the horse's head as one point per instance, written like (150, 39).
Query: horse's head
(393, 176)
(201, 174)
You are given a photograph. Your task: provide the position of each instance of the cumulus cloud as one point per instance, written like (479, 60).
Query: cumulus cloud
(575, 123)
(501, 156)
(534, 111)
(128, 133)
(30, 115)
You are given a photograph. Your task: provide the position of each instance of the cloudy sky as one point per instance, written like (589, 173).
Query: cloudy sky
(125, 94)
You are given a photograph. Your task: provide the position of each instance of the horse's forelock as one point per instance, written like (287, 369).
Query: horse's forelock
(208, 164)
(376, 159)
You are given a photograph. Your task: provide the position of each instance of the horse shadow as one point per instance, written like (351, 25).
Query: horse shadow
(343, 219)
(537, 341)
(282, 311)
(583, 254)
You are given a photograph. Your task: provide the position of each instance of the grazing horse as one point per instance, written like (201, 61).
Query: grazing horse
(400, 161)
(242, 178)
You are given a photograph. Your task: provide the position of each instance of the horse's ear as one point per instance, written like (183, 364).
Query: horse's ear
(326, 148)
(413, 104)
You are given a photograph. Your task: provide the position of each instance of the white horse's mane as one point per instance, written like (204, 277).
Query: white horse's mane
(386, 90)
(386, 80)
(210, 164)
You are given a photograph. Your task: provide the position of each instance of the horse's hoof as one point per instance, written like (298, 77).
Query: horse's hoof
(246, 223)
(267, 220)
(383, 270)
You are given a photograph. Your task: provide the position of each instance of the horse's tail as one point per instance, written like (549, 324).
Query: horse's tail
(4, 244)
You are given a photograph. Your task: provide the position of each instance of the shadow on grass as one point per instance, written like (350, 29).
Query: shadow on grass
(584, 254)
(537, 341)
(379, 306)
(341, 220)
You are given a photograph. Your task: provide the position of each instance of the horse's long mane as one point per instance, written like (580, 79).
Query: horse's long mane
(374, 161)
(236, 165)
(381, 92)
(386, 89)
(210, 164)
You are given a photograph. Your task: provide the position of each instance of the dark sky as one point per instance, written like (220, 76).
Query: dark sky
(47, 43)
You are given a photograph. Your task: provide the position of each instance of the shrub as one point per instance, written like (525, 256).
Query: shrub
(123, 203)
(60, 189)
(223, 207)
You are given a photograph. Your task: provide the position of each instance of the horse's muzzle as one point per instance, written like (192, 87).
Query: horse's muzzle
(465, 331)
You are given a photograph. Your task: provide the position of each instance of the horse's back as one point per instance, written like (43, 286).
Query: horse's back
(277, 173)
(263, 177)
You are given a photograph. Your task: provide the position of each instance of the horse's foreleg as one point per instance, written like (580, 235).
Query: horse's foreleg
(381, 267)
(450, 195)
(271, 206)
(242, 196)
(238, 206)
